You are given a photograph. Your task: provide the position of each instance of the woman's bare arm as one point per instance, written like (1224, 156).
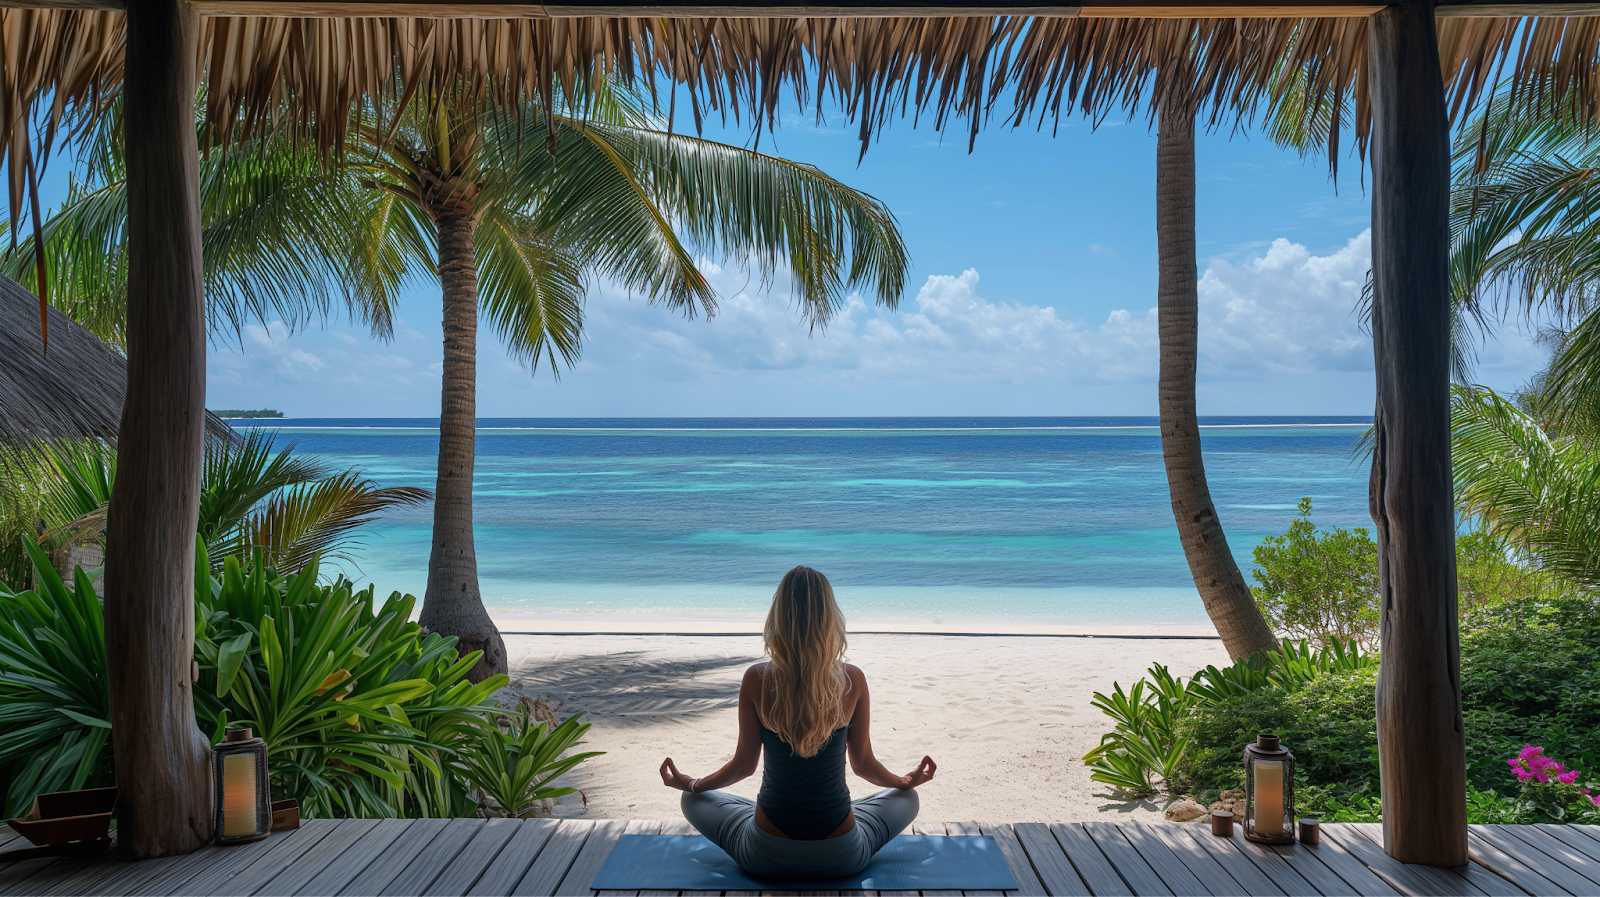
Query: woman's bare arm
(745, 755)
(862, 759)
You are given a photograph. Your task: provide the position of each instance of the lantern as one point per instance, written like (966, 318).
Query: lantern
(1268, 792)
(242, 807)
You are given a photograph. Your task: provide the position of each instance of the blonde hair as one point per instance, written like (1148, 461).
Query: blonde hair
(806, 681)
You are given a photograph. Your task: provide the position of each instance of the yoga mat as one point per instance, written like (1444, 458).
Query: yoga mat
(906, 863)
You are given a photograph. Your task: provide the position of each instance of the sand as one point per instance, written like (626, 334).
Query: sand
(1007, 719)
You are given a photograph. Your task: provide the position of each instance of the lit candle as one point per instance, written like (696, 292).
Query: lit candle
(239, 795)
(1269, 797)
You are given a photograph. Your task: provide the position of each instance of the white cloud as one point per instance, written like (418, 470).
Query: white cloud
(1285, 312)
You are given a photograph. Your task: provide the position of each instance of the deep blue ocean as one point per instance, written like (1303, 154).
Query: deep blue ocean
(1042, 521)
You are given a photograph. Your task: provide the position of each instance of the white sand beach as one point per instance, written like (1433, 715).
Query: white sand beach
(1007, 718)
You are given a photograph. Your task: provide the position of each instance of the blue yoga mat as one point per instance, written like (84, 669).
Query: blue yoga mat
(907, 863)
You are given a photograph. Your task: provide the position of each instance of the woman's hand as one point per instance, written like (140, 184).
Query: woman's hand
(672, 778)
(922, 773)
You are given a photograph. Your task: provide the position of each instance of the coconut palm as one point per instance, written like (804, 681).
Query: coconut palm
(517, 209)
(1227, 597)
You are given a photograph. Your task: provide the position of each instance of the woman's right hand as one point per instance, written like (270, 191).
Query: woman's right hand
(672, 778)
(922, 773)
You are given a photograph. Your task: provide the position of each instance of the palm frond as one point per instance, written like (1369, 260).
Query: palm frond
(297, 524)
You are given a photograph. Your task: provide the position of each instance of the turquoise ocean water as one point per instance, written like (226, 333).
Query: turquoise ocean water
(1041, 521)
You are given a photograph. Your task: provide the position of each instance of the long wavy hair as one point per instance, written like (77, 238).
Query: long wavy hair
(806, 681)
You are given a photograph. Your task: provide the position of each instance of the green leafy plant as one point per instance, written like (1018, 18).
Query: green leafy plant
(1319, 584)
(515, 766)
(55, 710)
(1145, 743)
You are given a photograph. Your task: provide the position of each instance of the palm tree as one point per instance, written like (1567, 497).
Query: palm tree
(1227, 597)
(516, 209)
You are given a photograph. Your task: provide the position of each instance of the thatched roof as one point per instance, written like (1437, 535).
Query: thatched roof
(75, 392)
(311, 72)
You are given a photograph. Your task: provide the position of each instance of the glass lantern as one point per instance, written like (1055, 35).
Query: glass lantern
(242, 806)
(1268, 792)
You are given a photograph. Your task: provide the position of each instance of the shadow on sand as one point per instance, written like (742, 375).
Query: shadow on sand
(631, 683)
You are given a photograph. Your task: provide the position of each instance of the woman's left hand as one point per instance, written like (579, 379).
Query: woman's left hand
(672, 778)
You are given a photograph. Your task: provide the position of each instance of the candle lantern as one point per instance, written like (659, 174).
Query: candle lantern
(242, 806)
(1268, 792)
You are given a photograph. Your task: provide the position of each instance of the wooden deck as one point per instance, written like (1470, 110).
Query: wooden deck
(559, 858)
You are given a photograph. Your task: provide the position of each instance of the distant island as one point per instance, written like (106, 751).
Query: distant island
(258, 413)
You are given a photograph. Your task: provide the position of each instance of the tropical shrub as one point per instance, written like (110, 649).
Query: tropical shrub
(363, 714)
(1550, 792)
(1152, 745)
(1319, 585)
(514, 766)
(55, 710)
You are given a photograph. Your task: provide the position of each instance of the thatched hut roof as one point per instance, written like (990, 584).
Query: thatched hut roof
(75, 392)
(310, 73)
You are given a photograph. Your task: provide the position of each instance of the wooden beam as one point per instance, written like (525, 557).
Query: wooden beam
(1233, 11)
(162, 760)
(1421, 747)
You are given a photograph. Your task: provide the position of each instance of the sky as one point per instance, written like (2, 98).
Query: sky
(1032, 292)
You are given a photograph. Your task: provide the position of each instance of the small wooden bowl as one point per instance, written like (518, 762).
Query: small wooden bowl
(62, 817)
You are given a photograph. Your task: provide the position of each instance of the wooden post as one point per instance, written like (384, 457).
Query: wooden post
(161, 755)
(1421, 746)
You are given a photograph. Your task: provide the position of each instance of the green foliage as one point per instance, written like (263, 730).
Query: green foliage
(1319, 584)
(516, 765)
(1149, 747)
(1530, 672)
(1485, 575)
(55, 710)
(363, 715)
(1145, 743)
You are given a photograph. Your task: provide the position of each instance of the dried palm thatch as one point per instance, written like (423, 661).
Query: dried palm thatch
(310, 74)
(75, 393)
(72, 394)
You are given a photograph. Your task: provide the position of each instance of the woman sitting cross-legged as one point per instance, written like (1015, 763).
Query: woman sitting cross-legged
(807, 708)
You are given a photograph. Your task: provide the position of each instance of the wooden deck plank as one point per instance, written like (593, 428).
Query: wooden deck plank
(431, 860)
(1503, 864)
(252, 877)
(1417, 881)
(1097, 872)
(376, 874)
(138, 874)
(89, 876)
(1333, 871)
(1028, 883)
(1557, 850)
(1577, 842)
(344, 868)
(1477, 877)
(228, 864)
(313, 861)
(589, 860)
(462, 872)
(1199, 861)
(27, 876)
(1172, 870)
(514, 859)
(1273, 866)
(546, 873)
(1057, 873)
(1134, 869)
(1236, 864)
(224, 860)
(1530, 869)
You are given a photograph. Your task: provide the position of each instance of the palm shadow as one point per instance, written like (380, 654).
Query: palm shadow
(629, 683)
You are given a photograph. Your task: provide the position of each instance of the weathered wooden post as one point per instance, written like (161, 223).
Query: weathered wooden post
(150, 531)
(1421, 747)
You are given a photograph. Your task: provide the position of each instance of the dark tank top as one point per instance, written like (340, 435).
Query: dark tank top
(805, 797)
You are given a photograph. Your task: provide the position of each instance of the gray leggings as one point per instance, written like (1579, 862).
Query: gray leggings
(730, 823)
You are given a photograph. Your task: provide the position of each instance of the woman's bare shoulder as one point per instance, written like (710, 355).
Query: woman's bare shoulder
(756, 673)
(855, 674)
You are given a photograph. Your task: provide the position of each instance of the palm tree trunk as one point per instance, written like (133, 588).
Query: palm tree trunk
(453, 605)
(1222, 587)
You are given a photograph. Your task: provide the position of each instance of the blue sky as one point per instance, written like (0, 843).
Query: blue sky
(1031, 293)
